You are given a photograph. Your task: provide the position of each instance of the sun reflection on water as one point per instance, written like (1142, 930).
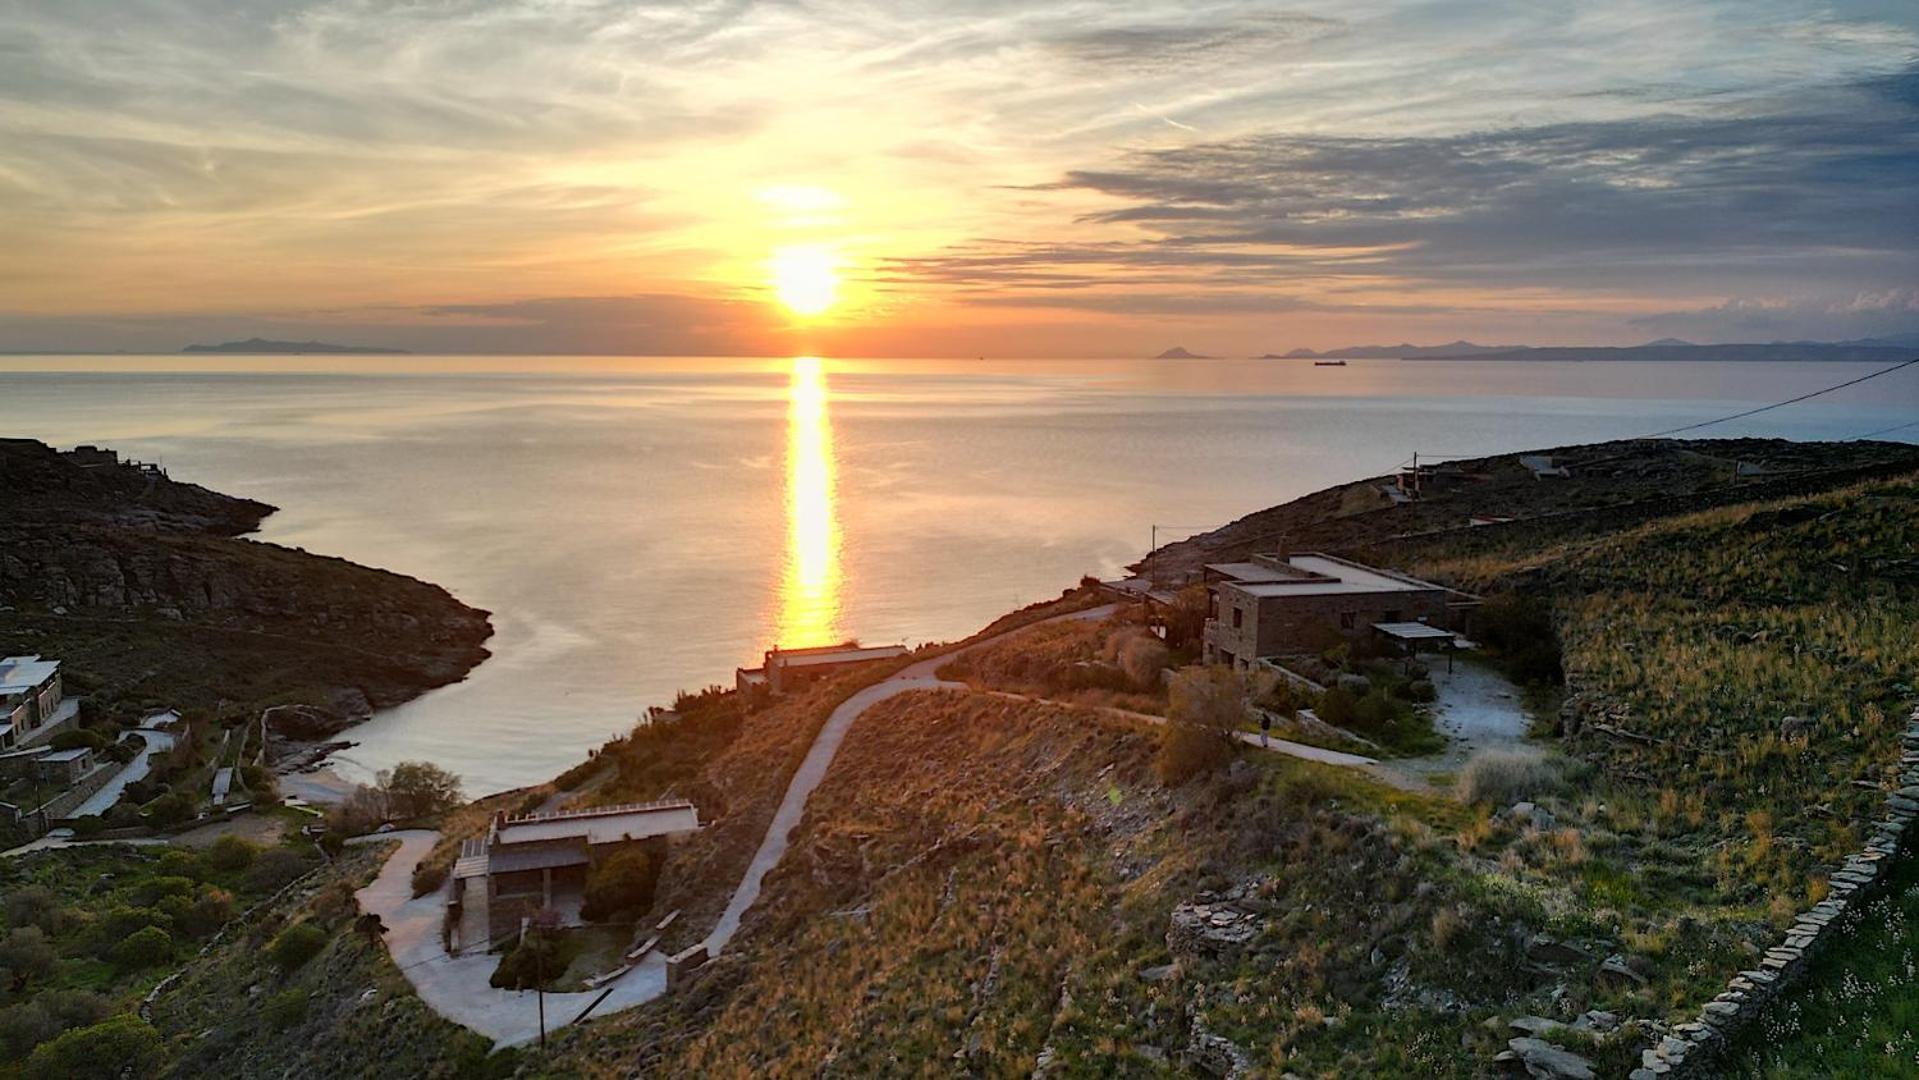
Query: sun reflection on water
(810, 589)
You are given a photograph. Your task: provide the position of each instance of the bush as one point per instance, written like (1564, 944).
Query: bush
(273, 870)
(428, 875)
(285, 1009)
(540, 958)
(88, 827)
(122, 1046)
(170, 809)
(147, 948)
(78, 740)
(23, 1027)
(34, 905)
(1204, 708)
(1142, 657)
(620, 884)
(1521, 630)
(1339, 708)
(1502, 777)
(27, 953)
(296, 945)
(230, 854)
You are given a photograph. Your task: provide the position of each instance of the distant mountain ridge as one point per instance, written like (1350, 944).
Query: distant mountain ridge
(1178, 352)
(1888, 349)
(259, 346)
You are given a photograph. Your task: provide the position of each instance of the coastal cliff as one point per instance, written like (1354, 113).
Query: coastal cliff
(142, 585)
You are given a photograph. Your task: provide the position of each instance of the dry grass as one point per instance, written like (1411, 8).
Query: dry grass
(1504, 777)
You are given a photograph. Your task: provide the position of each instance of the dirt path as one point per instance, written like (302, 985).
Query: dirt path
(1477, 709)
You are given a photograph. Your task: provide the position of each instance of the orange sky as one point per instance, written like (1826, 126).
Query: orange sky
(984, 178)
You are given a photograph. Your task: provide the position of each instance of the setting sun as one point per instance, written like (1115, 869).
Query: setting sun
(805, 279)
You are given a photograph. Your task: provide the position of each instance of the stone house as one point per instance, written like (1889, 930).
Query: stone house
(787, 670)
(32, 706)
(1270, 605)
(539, 862)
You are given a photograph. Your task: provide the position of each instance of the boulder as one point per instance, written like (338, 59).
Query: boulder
(1210, 929)
(1545, 1061)
(1550, 950)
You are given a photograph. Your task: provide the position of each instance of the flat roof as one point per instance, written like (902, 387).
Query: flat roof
(74, 754)
(603, 824)
(1332, 577)
(813, 657)
(1251, 571)
(23, 673)
(1412, 631)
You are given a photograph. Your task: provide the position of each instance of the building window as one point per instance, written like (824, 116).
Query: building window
(1347, 621)
(1239, 618)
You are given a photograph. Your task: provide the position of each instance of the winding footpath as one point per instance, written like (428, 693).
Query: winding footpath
(456, 987)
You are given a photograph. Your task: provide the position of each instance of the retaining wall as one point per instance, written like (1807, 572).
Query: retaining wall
(1695, 1048)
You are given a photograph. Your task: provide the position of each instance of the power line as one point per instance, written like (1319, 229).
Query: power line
(1882, 431)
(1782, 404)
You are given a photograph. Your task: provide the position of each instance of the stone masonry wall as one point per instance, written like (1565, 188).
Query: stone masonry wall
(1693, 1049)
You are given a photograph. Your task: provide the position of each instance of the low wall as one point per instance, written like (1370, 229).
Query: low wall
(1694, 1049)
(67, 801)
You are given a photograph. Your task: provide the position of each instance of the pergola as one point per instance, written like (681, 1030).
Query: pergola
(1412, 636)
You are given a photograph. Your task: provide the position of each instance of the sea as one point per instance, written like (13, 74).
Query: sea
(639, 526)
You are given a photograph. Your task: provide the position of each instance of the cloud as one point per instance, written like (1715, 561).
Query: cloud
(1819, 187)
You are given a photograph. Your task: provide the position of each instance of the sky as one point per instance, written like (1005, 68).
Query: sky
(953, 178)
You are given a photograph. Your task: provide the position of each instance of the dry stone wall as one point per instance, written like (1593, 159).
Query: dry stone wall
(1694, 1049)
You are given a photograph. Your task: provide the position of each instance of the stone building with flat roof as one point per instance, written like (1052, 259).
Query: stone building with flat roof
(32, 705)
(1274, 604)
(787, 670)
(539, 862)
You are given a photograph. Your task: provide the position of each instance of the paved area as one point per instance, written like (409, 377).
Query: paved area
(102, 801)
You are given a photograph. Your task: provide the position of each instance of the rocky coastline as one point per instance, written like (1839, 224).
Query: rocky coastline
(147, 590)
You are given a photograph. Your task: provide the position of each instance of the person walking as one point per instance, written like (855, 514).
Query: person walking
(1265, 726)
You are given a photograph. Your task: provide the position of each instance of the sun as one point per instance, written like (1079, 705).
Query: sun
(805, 279)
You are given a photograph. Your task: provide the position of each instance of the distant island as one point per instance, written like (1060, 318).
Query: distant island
(1178, 352)
(1882, 350)
(257, 346)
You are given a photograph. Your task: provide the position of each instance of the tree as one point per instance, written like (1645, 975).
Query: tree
(296, 945)
(419, 788)
(542, 956)
(1205, 707)
(27, 953)
(170, 809)
(621, 883)
(148, 948)
(363, 809)
(1142, 657)
(123, 1046)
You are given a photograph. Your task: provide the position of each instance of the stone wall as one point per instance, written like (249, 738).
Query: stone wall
(67, 801)
(1694, 1049)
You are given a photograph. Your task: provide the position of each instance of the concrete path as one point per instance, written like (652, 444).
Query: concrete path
(456, 986)
(920, 675)
(102, 801)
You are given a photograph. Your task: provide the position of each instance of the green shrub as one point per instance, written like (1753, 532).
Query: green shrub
(88, 827)
(285, 1009)
(540, 958)
(272, 870)
(296, 945)
(429, 875)
(27, 953)
(120, 1047)
(621, 884)
(147, 948)
(230, 854)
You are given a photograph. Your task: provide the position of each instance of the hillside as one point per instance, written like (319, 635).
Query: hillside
(141, 585)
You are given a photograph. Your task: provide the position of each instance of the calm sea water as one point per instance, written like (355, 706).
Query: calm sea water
(641, 525)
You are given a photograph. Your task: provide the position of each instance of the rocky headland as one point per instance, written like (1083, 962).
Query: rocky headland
(145, 588)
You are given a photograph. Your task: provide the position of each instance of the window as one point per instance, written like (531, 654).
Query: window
(1239, 618)
(1346, 620)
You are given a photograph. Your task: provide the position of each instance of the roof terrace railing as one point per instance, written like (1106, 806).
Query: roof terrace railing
(602, 811)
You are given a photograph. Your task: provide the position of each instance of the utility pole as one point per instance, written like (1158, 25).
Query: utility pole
(540, 986)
